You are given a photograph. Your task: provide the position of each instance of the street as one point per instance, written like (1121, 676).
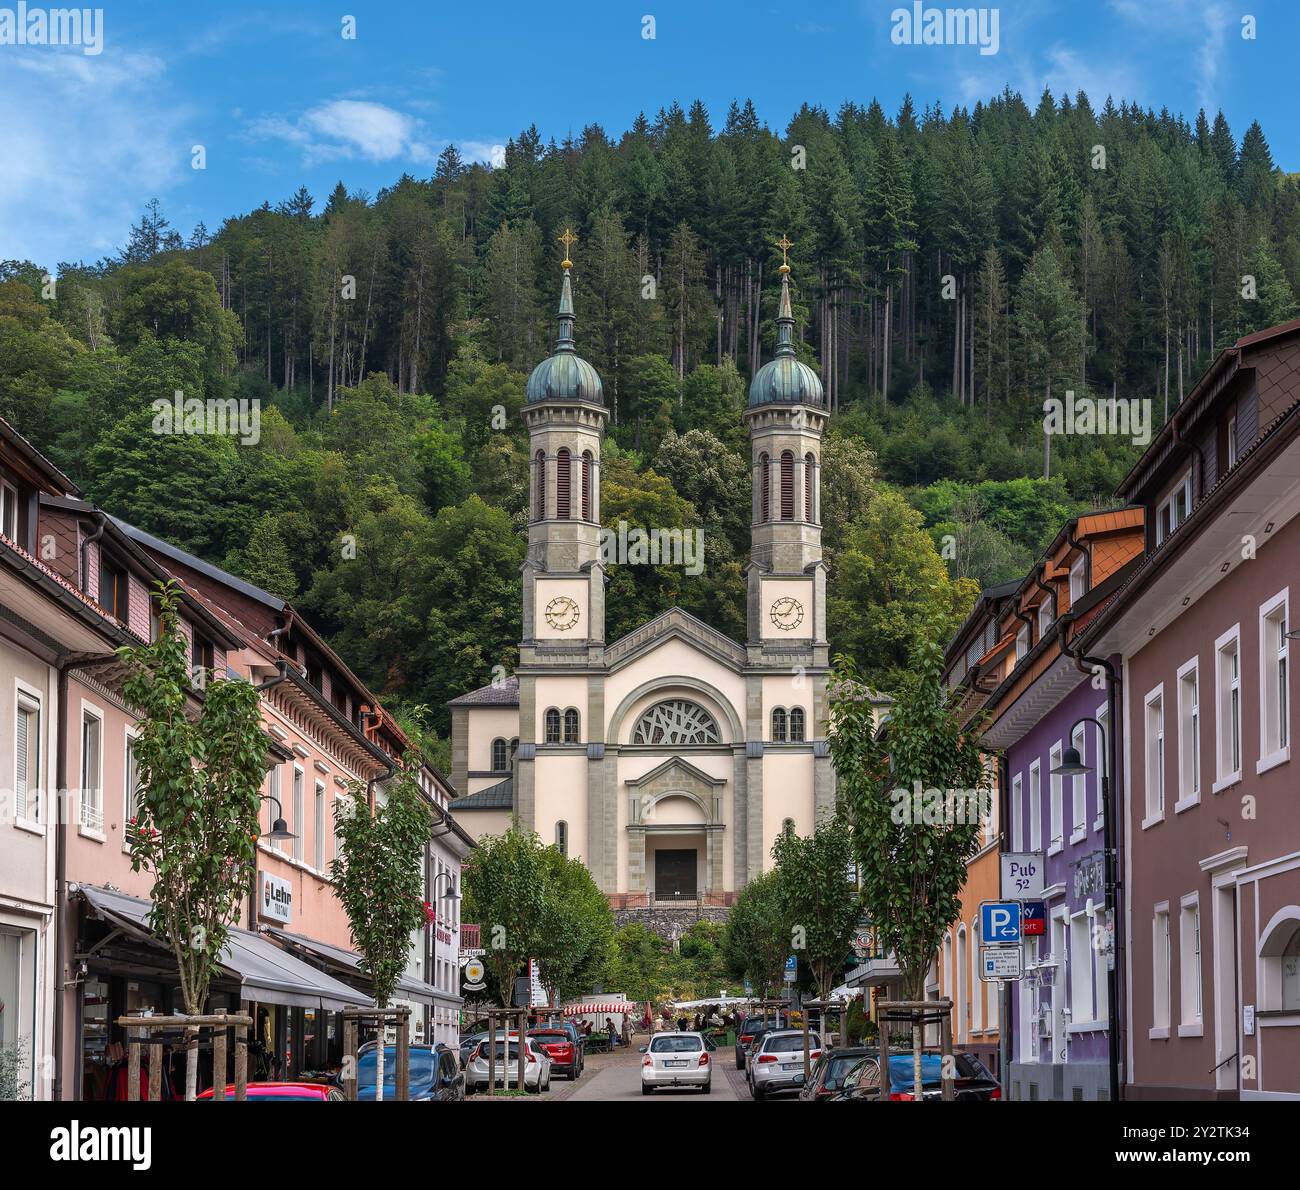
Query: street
(619, 1077)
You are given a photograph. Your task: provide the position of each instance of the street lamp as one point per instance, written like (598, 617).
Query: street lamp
(279, 828)
(1072, 765)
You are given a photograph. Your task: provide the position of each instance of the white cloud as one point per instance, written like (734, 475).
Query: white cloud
(86, 142)
(344, 128)
(488, 152)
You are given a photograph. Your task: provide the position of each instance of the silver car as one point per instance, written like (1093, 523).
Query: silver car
(676, 1060)
(776, 1063)
(537, 1066)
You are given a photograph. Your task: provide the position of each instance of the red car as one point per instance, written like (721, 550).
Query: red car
(566, 1058)
(287, 1091)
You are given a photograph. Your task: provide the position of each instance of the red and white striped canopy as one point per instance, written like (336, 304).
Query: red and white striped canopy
(606, 1006)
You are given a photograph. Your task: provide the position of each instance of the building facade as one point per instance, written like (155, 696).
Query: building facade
(1212, 866)
(668, 760)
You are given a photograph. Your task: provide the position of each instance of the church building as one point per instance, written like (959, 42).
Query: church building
(668, 760)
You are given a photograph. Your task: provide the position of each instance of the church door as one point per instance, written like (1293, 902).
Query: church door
(675, 875)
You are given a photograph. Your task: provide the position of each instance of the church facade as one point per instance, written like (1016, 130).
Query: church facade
(668, 760)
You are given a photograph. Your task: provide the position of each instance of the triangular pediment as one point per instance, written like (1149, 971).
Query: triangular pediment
(678, 773)
(675, 624)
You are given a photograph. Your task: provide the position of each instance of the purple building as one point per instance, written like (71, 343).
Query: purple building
(1042, 694)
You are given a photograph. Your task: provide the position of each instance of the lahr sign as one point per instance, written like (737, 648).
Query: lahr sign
(274, 898)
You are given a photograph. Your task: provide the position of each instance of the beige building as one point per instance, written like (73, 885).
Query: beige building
(670, 759)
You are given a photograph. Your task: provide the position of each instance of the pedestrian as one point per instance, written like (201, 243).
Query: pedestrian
(613, 1032)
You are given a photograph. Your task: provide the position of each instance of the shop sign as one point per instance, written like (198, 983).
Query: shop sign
(274, 899)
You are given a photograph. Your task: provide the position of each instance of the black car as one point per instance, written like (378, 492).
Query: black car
(750, 1031)
(826, 1079)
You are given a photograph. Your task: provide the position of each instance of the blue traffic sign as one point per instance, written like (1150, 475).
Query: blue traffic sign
(999, 922)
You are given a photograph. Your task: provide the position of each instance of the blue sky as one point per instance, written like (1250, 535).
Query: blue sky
(278, 97)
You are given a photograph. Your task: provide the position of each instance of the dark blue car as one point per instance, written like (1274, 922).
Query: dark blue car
(434, 1073)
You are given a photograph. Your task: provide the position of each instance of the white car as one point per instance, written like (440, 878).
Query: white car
(537, 1066)
(777, 1061)
(676, 1060)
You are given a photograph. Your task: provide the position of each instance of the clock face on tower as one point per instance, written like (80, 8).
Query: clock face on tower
(562, 613)
(786, 613)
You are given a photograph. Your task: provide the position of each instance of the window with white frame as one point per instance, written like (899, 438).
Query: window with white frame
(274, 809)
(1232, 441)
(1101, 974)
(27, 757)
(1189, 733)
(1160, 968)
(1081, 997)
(1275, 710)
(1290, 975)
(1078, 570)
(1044, 617)
(1022, 642)
(1155, 753)
(1078, 788)
(298, 811)
(1189, 960)
(92, 767)
(8, 510)
(1102, 762)
(318, 833)
(1057, 782)
(131, 790)
(1035, 807)
(1017, 815)
(1227, 651)
(1174, 509)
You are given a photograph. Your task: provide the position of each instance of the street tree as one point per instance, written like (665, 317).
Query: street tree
(505, 892)
(197, 804)
(912, 790)
(820, 906)
(378, 879)
(577, 927)
(758, 937)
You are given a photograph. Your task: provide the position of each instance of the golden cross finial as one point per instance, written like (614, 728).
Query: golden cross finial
(567, 239)
(785, 245)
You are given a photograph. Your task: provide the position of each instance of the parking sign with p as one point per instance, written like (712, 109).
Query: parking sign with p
(999, 922)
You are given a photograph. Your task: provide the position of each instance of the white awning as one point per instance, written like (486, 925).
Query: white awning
(347, 962)
(264, 971)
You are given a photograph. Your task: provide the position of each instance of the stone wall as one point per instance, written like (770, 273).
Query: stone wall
(668, 921)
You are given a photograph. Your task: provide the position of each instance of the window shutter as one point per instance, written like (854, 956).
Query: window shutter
(562, 507)
(586, 485)
(765, 488)
(809, 471)
(20, 747)
(541, 486)
(787, 486)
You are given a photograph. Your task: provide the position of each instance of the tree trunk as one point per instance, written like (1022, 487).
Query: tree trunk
(916, 1067)
(192, 1065)
(379, 1065)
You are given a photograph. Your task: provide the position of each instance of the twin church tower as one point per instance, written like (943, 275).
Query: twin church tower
(670, 759)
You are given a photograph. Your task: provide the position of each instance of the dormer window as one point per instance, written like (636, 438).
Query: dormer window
(1174, 509)
(1078, 580)
(1022, 642)
(8, 510)
(112, 589)
(1044, 617)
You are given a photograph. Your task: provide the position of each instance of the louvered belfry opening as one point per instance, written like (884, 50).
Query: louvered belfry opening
(540, 483)
(562, 478)
(764, 488)
(787, 486)
(809, 473)
(586, 485)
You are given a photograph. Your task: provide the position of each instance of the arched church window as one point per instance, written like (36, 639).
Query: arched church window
(562, 479)
(562, 837)
(787, 485)
(796, 725)
(676, 721)
(570, 726)
(499, 758)
(809, 480)
(539, 485)
(586, 485)
(764, 488)
(552, 726)
(778, 726)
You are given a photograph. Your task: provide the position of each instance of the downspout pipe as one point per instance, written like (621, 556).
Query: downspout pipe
(81, 661)
(101, 520)
(1110, 827)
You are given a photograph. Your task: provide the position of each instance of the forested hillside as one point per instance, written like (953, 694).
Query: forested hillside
(949, 271)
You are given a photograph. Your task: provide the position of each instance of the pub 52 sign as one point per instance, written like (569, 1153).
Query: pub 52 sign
(1022, 875)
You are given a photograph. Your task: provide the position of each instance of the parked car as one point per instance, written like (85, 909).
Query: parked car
(300, 1092)
(565, 1053)
(776, 1061)
(537, 1066)
(752, 1029)
(676, 1060)
(433, 1073)
(973, 1082)
(827, 1077)
(469, 1042)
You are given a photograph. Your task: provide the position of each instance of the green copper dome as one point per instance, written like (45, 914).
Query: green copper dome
(565, 375)
(785, 377)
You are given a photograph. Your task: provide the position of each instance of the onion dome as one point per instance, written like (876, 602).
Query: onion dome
(785, 378)
(564, 375)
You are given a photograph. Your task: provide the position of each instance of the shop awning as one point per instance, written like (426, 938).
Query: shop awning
(265, 972)
(605, 1007)
(347, 963)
